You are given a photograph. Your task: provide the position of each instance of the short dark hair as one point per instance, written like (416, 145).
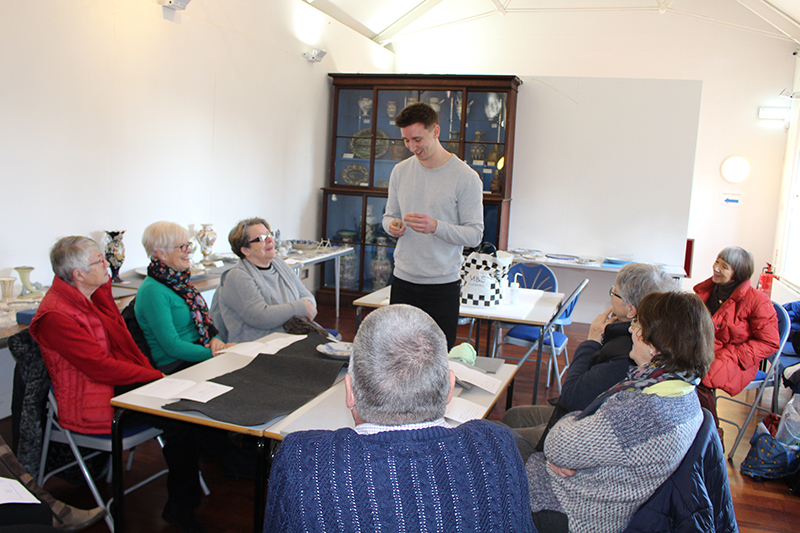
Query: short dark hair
(238, 235)
(399, 367)
(678, 325)
(740, 260)
(417, 113)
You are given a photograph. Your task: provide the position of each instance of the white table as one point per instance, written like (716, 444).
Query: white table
(326, 411)
(534, 308)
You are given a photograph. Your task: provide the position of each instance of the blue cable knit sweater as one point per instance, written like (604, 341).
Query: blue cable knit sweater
(468, 478)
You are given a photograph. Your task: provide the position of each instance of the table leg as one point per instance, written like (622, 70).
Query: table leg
(118, 487)
(336, 267)
(263, 465)
(478, 324)
(490, 333)
(510, 394)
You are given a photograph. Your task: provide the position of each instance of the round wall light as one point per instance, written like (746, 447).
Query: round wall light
(735, 169)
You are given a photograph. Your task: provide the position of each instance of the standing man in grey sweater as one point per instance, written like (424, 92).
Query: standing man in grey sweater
(434, 209)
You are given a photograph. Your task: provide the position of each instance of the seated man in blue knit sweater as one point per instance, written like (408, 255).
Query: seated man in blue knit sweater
(402, 467)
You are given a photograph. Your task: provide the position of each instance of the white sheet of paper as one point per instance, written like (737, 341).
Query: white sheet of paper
(205, 391)
(476, 377)
(12, 491)
(462, 410)
(166, 388)
(252, 349)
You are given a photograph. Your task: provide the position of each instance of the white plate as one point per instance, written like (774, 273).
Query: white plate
(618, 261)
(336, 350)
(142, 271)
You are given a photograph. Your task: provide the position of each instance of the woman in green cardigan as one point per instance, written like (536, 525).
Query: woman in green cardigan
(171, 312)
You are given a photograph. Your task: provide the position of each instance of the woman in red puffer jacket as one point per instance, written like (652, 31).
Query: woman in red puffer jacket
(746, 326)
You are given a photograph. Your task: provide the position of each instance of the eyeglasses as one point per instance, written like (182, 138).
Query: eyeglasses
(101, 260)
(185, 247)
(612, 293)
(263, 238)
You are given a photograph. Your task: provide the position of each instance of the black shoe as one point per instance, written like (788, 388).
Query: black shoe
(183, 518)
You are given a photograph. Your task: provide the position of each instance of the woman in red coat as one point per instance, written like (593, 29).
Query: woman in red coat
(746, 326)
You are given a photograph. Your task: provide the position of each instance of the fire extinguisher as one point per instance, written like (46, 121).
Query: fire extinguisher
(765, 280)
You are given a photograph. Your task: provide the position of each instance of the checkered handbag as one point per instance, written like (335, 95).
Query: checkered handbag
(481, 275)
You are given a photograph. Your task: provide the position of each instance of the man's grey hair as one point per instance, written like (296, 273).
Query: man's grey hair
(637, 280)
(399, 368)
(71, 253)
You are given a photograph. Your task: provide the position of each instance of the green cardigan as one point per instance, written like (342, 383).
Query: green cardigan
(167, 324)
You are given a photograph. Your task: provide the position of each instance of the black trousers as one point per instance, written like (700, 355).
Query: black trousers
(441, 302)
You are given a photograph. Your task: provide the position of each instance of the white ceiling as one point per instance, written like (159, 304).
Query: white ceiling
(385, 20)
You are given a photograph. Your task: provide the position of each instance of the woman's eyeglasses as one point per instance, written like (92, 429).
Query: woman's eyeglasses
(262, 238)
(185, 247)
(612, 293)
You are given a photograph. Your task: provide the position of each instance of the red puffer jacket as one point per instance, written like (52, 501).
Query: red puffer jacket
(746, 332)
(84, 357)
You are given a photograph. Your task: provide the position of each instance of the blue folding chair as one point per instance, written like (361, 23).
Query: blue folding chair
(554, 341)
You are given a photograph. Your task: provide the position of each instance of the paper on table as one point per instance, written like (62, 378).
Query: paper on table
(12, 491)
(252, 349)
(462, 410)
(476, 377)
(169, 388)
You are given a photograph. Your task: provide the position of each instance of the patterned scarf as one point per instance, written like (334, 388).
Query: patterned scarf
(638, 379)
(179, 282)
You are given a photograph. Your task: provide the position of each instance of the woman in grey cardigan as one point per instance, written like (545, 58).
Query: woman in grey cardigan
(261, 293)
(600, 464)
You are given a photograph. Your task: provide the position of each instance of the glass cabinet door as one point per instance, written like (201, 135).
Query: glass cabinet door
(485, 137)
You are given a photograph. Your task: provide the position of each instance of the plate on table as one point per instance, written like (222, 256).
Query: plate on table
(142, 271)
(617, 261)
(336, 350)
(563, 257)
(300, 244)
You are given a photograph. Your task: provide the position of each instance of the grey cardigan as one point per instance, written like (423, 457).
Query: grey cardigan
(250, 303)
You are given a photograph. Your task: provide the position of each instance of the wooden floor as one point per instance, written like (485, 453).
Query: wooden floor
(759, 506)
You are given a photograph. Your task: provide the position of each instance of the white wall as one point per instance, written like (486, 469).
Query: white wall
(740, 71)
(118, 113)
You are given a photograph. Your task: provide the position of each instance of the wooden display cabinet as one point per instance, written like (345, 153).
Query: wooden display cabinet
(476, 118)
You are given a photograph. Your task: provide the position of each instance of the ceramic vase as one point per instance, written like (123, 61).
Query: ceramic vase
(478, 151)
(25, 278)
(349, 267)
(365, 105)
(206, 238)
(398, 150)
(493, 156)
(8, 288)
(380, 268)
(391, 108)
(372, 224)
(496, 185)
(452, 144)
(115, 253)
(436, 103)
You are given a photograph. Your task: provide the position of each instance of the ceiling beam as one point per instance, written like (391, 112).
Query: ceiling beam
(336, 13)
(500, 8)
(775, 17)
(404, 21)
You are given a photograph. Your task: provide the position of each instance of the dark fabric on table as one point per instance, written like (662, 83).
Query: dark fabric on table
(270, 386)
